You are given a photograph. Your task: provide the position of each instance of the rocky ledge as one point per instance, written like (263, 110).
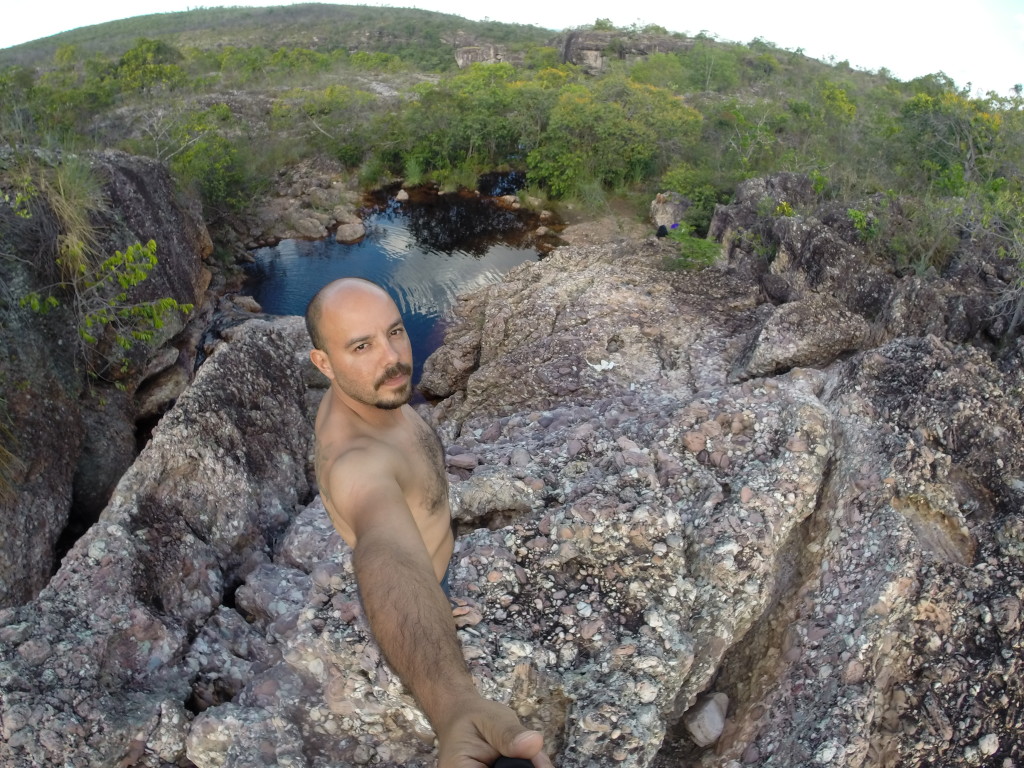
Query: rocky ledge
(700, 526)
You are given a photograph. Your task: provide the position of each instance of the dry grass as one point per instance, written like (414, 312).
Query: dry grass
(75, 195)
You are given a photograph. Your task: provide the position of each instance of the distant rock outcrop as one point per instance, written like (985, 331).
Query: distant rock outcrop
(489, 53)
(592, 49)
(588, 49)
(702, 526)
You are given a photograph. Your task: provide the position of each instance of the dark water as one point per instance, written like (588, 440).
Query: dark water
(425, 252)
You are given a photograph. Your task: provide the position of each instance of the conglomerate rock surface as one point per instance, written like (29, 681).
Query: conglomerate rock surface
(669, 485)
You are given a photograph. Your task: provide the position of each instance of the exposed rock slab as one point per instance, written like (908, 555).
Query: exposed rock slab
(624, 580)
(835, 549)
(619, 321)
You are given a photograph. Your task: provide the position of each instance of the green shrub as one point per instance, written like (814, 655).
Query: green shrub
(104, 314)
(151, 65)
(922, 233)
(867, 225)
(696, 186)
(212, 165)
(694, 252)
(374, 171)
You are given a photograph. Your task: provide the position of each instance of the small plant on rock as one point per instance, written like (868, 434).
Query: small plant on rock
(694, 252)
(867, 225)
(96, 290)
(99, 299)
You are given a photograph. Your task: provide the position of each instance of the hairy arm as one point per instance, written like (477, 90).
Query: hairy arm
(412, 621)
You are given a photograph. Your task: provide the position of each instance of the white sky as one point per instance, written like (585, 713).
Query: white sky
(981, 43)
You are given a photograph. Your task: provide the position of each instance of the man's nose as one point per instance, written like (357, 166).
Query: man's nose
(392, 354)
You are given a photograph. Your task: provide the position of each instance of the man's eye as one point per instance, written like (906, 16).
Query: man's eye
(397, 331)
(361, 347)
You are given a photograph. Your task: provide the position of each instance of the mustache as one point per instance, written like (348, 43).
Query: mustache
(398, 369)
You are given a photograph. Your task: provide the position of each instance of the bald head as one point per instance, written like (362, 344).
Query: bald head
(337, 290)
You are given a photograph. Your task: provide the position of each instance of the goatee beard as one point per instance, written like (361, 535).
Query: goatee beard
(403, 395)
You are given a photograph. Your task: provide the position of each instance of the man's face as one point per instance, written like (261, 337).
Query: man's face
(368, 351)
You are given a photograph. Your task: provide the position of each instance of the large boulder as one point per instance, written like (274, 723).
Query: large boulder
(97, 669)
(68, 436)
(809, 333)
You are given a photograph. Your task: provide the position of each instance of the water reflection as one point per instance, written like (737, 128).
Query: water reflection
(449, 223)
(424, 253)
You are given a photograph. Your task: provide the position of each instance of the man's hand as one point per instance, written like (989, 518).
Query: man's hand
(412, 622)
(479, 731)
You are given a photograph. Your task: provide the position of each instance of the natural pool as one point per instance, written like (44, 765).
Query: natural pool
(424, 251)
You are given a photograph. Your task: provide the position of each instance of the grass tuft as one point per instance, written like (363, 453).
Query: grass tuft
(694, 252)
(74, 194)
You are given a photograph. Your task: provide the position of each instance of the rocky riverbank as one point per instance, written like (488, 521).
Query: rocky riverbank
(786, 491)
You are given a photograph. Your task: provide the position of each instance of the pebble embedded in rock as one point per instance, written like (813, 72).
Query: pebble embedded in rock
(705, 720)
(463, 461)
(520, 457)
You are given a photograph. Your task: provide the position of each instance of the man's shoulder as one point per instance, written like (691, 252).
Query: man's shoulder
(361, 453)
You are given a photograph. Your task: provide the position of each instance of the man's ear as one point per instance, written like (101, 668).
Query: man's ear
(322, 362)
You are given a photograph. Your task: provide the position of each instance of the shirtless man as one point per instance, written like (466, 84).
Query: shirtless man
(381, 474)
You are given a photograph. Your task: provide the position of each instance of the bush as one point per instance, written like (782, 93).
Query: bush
(919, 234)
(696, 186)
(615, 132)
(106, 318)
(694, 252)
(151, 65)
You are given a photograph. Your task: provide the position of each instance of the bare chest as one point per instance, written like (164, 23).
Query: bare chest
(425, 483)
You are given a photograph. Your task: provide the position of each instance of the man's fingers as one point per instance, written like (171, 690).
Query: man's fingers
(531, 744)
(517, 742)
(525, 743)
(492, 728)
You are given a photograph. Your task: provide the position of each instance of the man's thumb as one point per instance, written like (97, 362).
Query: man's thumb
(524, 744)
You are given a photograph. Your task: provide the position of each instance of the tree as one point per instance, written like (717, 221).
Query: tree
(950, 138)
(710, 66)
(662, 70)
(151, 65)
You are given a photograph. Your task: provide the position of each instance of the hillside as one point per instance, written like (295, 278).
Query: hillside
(233, 99)
(317, 26)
